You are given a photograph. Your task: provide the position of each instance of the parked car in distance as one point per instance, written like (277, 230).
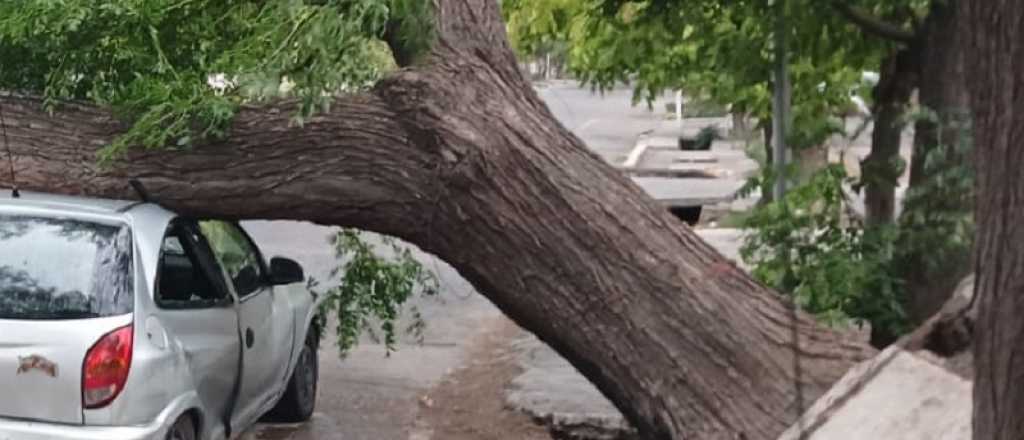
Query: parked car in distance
(122, 320)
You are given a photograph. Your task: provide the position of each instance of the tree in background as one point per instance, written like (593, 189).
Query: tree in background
(935, 238)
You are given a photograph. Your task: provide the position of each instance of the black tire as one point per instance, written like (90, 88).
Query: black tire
(182, 429)
(299, 399)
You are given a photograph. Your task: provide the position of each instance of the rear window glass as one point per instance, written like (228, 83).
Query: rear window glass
(63, 269)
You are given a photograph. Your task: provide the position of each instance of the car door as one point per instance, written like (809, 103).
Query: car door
(264, 316)
(195, 307)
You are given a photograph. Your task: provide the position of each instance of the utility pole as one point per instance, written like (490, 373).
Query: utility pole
(780, 123)
(679, 106)
(780, 101)
(547, 65)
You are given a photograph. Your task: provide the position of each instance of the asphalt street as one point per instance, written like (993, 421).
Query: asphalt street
(607, 122)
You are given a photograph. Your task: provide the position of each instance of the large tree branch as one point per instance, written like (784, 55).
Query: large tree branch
(872, 24)
(295, 172)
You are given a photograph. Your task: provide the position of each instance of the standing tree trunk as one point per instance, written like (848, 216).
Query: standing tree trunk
(880, 171)
(932, 274)
(459, 156)
(994, 35)
(767, 188)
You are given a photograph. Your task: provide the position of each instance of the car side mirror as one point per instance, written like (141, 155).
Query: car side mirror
(285, 271)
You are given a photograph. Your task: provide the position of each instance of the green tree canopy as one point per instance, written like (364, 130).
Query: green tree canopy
(152, 61)
(712, 49)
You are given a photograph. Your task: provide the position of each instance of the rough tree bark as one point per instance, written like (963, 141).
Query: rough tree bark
(942, 89)
(879, 171)
(458, 155)
(994, 34)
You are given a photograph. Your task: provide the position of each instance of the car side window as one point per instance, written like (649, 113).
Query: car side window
(236, 254)
(183, 281)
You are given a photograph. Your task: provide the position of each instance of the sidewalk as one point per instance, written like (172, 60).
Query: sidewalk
(552, 391)
(679, 178)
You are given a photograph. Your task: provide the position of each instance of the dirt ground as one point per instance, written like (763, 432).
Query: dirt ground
(469, 403)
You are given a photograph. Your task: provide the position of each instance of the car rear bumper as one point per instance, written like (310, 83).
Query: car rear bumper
(15, 429)
(26, 430)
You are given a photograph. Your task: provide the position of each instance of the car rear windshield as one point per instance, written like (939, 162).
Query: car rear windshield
(53, 268)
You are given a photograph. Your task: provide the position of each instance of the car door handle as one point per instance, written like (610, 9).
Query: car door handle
(250, 338)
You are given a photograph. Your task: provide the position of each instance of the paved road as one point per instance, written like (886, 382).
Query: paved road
(610, 126)
(608, 123)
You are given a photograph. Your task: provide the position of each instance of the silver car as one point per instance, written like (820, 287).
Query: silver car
(122, 320)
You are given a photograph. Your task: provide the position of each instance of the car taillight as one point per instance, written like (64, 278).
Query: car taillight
(106, 368)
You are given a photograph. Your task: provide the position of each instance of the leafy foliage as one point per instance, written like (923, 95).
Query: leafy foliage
(833, 268)
(152, 60)
(938, 217)
(373, 290)
(711, 49)
(810, 246)
(533, 25)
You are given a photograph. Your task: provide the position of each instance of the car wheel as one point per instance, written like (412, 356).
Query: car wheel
(299, 399)
(183, 429)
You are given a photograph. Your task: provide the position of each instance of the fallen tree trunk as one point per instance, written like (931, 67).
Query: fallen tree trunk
(459, 156)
